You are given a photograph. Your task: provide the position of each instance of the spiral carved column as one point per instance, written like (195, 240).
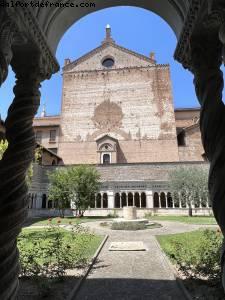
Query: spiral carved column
(13, 167)
(208, 81)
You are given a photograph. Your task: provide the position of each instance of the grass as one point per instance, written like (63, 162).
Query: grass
(65, 220)
(199, 220)
(186, 239)
(41, 237)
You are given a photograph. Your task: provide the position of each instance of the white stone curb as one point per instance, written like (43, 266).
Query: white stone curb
(178, 280)
(75, 290)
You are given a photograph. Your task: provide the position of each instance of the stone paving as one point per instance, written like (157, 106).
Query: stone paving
(139, 275)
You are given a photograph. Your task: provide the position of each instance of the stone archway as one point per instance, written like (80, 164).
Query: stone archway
(156, 200)
(28, 41)
(55, 21)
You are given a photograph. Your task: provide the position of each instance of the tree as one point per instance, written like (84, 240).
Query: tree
(59, 189)
(84, 182)
(191, 183)
(37, 156)
(3, 147)
(75, 185)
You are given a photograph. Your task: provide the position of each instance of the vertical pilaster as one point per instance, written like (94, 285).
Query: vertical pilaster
(149, 199)
(110, 199)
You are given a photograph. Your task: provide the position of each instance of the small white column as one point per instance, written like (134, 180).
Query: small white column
(120, 200)
(38, 200)
(95, 201)
(140, 199)
(126, 198)
(180, 206)
(207, 202)
(133, 199)
(149, 199)
(166, 195)
(102, 200)
(160, 204)
(200, 202)
(110, 199)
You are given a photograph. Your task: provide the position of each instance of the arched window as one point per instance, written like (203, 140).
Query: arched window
(117, 200)
(106, 159)
(105, 200)
(44, 199)
(130, 199)
(92, 202)
(98, 200)
(169, 200)
(124, 199)
(163, 199)
(108, 62)
(50, 204)
(137, 199)
(181, 139)
(143, 200)
(156, 199)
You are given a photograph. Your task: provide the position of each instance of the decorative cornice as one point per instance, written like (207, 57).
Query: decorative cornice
(125, 69)
(27, 25)
(204, 19)
(182, 52)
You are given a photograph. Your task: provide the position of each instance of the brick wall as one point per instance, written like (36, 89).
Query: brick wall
(133, 105)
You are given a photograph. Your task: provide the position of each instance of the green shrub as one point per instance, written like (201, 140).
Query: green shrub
(128, 226)
(112, 215)
(201, 259)
(50, 253)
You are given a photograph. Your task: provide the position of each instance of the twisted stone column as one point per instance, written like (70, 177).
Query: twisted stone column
(208, 80)
(13, 167)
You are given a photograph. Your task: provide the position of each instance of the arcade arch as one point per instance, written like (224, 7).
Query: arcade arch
(29, 41)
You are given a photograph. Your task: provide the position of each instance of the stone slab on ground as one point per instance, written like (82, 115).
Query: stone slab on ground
(127, 246)
(130, 275)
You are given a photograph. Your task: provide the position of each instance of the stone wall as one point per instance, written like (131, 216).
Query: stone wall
(132, 105)
(120, 173)
(193, 149)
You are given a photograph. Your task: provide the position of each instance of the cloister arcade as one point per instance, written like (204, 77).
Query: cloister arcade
(140, 199)
(28, 41)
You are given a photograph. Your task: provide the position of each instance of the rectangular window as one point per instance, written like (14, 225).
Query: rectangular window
(52, 137)
(38, 136)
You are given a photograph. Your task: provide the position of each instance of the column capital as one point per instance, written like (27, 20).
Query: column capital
(201, 20)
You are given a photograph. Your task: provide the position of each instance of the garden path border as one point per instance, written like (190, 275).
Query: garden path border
(75, 290)
(173, 270)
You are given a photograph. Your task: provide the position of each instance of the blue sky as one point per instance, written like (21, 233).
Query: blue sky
(134, 28)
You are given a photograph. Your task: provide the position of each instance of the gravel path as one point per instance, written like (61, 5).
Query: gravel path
(133, 275)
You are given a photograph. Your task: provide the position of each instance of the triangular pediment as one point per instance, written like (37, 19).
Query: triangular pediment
(192, 129)
(123, 58)
(106, 138)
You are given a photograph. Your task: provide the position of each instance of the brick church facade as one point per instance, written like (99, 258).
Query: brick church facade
(118, 114)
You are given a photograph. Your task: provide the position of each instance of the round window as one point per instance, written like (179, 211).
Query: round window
(108, 62)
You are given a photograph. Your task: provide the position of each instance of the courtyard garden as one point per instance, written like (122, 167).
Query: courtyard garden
(196, 257)
(198, 220)
(53, 259)
(64, 221)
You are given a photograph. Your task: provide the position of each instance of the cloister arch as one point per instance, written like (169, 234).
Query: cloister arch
(124, 199)
(156, 200)
(98, 200)
(105, 200)
(28, 41)
(44, 201)
(55, 21)
(163, 199)
(143, 199)
(117, 200)
(169, 200)
(137, 199)
(130, 199)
